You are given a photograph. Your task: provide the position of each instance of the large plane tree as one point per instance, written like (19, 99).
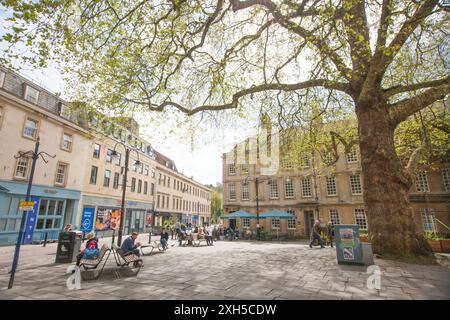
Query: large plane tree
(388, 57)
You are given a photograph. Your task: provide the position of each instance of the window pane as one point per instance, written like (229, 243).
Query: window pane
(43, 207)
(40, 224)
(3, 224)
(30, 128)
(59, 209)
(22, 167)
(51, 208)
(48, 223)
(57, 223)
(96, 153)
(93, 175)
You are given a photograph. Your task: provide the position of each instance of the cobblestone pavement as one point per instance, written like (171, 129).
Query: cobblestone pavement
(227, 270)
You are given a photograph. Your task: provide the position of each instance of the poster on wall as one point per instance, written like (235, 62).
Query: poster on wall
(148, 219)
(107, 219)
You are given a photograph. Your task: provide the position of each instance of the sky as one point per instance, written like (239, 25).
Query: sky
(203, 160)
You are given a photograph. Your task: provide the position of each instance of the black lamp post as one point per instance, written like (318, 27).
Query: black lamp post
(137, 163)
(34, 156)
(257, 180)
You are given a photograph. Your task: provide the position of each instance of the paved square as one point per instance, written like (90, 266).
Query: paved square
(227, 270)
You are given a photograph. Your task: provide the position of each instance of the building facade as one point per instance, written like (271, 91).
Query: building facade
(87, 170)
(334, 193)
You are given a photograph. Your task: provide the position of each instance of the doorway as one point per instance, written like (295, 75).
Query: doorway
(233, 224)
(309, 221)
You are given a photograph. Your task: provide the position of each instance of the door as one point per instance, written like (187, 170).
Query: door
(233, 224)
(309, 221)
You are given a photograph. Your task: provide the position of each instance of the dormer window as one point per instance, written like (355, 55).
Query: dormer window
(31, 94)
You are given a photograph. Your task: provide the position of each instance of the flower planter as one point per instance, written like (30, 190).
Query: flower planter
(445, 245)
(435, 245)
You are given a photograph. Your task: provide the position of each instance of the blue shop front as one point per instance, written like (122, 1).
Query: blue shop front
(56, 208)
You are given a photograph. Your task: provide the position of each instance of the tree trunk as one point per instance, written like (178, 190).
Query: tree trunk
(386, 183)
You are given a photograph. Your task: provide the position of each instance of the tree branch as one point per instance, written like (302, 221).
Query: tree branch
(403, 109)
(399, 89)
(245, 92)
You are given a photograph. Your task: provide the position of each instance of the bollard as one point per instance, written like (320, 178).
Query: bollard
(45, 239)
(149, 237)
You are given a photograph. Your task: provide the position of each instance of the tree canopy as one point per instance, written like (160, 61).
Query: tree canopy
(197, 55)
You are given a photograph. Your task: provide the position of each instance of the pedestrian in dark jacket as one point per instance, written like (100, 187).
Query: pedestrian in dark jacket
(164, 239)
(315, 234)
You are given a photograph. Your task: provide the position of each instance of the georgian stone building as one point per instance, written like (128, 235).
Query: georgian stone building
(86, 173)
(334, 193)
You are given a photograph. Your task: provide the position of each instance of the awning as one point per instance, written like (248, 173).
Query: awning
(276, 214)
(239, 215)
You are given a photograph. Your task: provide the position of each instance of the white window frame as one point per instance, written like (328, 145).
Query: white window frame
(335, 218)
(289, 188)
(428, 222)
(232, 192)
(361, 222)
(109, 157)
(352, 156)
(273, 189)
(22, 165)
(245, 194)
(275, 224)
(57, 174)
(70, 141)
(29, 89)
(36, 129)
(306, 187)
(231, 169)
(306, 161)
(355, 184)
(331, 184)
(246, 223)
(292, 223)
(99, 150)
(445, 176)
(107, 177)
(422, 184)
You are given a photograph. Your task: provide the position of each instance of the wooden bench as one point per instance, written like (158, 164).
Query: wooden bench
(91, 264)
(124, 260)
(197, 240)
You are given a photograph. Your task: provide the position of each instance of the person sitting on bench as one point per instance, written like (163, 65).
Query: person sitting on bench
(129, 246)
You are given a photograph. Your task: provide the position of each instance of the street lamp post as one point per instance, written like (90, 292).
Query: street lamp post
(257, 180)
(34, 155)
(257, 208)
(122, 205)
(124, 186)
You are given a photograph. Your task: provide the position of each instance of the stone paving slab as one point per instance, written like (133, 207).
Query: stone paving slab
(225, 271)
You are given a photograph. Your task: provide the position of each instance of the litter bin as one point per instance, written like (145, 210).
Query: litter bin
(68, 247)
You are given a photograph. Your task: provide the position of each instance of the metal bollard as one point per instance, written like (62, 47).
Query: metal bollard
(149, 237)
(45, 239)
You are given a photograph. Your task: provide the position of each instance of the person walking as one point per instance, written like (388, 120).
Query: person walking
(315, 234)
(164, 239)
